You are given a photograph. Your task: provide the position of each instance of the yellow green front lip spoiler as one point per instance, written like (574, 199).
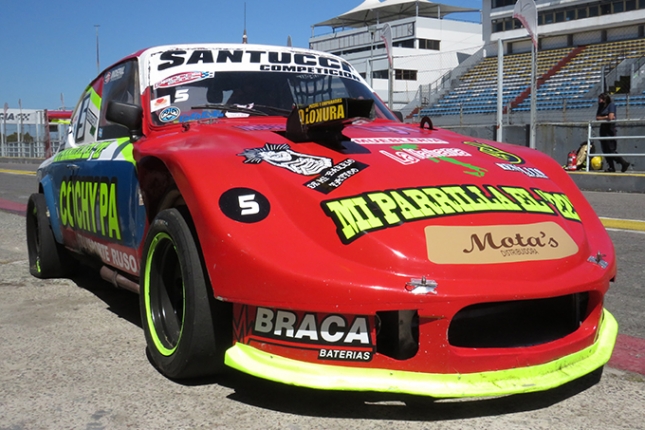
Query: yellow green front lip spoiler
(494, 383)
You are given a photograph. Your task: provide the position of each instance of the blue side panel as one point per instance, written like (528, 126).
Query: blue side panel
(51, 197)
(105, 201)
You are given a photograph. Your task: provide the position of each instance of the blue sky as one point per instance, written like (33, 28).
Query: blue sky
(48, 47)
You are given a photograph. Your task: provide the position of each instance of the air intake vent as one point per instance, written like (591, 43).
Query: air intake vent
(397, 334)
(518, 323)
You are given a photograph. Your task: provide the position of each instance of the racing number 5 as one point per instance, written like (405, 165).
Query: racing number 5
(248, 204)
(181, 95)
(244, 205)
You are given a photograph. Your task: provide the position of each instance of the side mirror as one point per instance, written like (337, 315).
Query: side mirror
(126, 114)
(398, 114)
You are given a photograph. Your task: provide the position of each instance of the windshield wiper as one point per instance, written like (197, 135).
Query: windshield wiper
(230, 108)
(281, 111)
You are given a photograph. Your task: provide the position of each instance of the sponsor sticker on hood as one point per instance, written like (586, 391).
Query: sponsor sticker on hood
(498, 243)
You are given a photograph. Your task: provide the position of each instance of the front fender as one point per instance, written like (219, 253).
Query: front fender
(50, 198)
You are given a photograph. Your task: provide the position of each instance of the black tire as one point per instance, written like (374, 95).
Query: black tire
(47, 258)
(187, 331)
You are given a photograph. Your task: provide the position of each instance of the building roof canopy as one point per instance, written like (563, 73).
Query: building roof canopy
(372, 12)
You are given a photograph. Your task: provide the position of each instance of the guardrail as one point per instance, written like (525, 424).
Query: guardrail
(26, 149)
(591, 137)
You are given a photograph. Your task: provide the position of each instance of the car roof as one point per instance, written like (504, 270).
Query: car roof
(147, 55)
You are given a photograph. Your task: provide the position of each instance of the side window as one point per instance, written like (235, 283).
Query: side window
(120, 83)
(79, 135)
(86, 116)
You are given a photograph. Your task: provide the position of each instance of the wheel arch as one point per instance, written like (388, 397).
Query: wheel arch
(160, 191)
(46, 188)
(158, 186)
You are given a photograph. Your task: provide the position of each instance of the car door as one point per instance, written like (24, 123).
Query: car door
(99, 196)
(59, 173)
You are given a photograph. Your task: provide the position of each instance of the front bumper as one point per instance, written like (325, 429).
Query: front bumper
(489, 383)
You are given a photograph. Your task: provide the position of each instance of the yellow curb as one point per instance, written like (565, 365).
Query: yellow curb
(623, 224)
(596, 172)
(18, 172)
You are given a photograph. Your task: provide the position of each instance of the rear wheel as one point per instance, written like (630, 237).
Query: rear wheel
(187, 331)
(47, 258)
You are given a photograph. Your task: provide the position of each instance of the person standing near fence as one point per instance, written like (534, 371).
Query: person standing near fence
(607, 112)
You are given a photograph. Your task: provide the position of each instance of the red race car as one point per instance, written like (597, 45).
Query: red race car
(275, 217)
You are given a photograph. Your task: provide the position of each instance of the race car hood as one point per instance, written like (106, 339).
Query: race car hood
(401, 204)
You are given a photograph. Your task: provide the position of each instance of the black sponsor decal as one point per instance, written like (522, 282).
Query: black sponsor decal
(244, 205)
(281, 155)
(333, 177)
(309, 328)
(330, 176)
(344, 355)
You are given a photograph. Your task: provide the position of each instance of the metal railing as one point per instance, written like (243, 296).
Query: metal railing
(27, 149)
(591, 137)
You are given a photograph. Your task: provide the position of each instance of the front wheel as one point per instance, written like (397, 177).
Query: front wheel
(187, 331)
(47, 258)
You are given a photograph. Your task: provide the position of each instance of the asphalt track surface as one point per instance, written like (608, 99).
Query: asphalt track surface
(72, 355)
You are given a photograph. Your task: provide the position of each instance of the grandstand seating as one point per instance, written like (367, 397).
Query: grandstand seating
(565, 78)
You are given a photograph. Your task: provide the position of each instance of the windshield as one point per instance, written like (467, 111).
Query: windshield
(200, 95)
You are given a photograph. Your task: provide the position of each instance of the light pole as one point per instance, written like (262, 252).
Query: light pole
(98, 65)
